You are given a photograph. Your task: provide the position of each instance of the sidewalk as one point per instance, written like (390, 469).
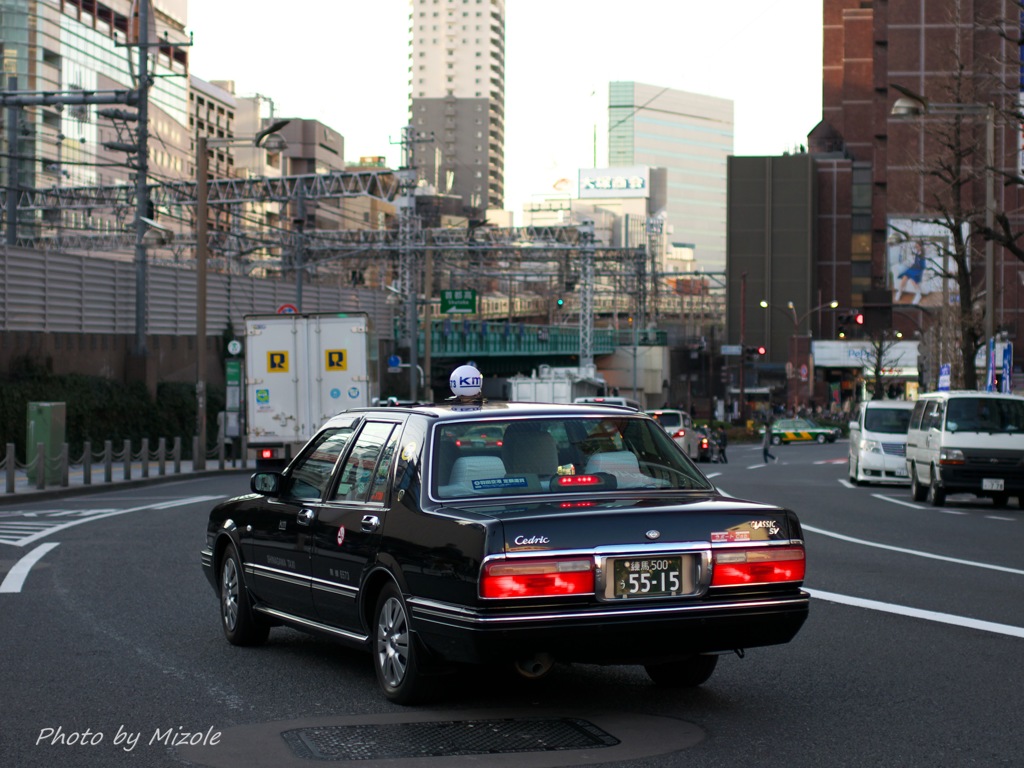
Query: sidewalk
(137, 474)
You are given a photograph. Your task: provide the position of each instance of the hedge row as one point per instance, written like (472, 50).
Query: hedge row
(98, 409)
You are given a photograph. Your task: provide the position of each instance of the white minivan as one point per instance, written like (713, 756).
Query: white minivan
(966, 442)
(878, 442)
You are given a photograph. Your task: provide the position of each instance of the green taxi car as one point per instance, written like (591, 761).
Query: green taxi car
(801, 431)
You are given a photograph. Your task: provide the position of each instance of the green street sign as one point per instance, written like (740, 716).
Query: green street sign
(460, 302)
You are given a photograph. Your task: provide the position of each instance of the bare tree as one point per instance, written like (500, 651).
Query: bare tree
(954, 167)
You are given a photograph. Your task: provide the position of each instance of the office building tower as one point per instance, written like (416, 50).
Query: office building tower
(457, 98)
(689, 135)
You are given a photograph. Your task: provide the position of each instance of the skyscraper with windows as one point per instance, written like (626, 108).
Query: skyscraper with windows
(689, 135)
(457, 98)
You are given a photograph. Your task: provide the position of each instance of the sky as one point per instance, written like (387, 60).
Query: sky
(345, 63)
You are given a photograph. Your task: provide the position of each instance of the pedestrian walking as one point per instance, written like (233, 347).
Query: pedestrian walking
(767, 442)
(723, 441)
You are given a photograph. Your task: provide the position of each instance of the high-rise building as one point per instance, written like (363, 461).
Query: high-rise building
(691, 136)
(457, 98)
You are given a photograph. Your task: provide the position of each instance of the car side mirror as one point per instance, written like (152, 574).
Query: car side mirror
(854, 425)
(265, 483)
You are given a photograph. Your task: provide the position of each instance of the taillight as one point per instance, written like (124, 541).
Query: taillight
(537, 578)
(266, 453)
(680, 433)
(765, 565)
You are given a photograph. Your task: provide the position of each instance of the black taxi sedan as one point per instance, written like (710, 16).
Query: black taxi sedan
(585, 536)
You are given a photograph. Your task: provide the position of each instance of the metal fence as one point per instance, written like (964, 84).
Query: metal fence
(73, 293)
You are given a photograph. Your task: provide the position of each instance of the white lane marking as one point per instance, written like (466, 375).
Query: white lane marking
(897, 501)
(998, 517)
(712, 474)
(756, 466)
(914, 552)
(15, 578)
(724, 493)
(917, 613)
(26, 540)
(845, 483)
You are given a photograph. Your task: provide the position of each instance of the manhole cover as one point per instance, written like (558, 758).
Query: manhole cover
(447, 738)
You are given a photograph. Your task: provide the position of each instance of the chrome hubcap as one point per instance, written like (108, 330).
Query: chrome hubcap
(392, 642)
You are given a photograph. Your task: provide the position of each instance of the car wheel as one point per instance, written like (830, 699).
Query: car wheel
(820, 439)
(936, 496)
(918, 491)
(686, 673)
(776, 440)
(1001, 500)
(395, 655)
(241, 624)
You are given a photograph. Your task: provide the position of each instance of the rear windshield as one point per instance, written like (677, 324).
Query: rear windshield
(891, 421)
(567, 455)
(984, 414)
(667, 420)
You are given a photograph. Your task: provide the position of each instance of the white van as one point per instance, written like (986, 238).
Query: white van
(878, 442)
(680, 427)
(966, 442)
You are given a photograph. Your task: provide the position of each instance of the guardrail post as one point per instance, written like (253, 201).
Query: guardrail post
(40, 466)
(127, 459)
(64, 465)
(145, 457)
(196, 461)
(87, 462)
(177, 455)
(108, 461)
(10, 464)
(161, 454)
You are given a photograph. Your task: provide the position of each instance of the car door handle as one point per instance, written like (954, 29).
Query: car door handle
(306, 516)
(370, 523)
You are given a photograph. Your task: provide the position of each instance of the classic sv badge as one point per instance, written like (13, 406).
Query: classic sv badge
(653, 535)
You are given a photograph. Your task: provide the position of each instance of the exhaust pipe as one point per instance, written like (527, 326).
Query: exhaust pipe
(536, 666)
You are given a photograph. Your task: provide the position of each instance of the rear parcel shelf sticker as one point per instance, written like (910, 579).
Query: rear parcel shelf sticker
(500, 482)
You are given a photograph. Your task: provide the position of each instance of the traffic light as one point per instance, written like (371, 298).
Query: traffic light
(561, 302)
(858, 317)
(754, 353)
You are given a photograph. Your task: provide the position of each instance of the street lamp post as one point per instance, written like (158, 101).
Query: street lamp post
(203, 144)
(794, 343)
(912, 105)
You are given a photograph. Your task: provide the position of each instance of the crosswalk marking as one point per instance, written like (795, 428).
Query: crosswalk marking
(41, 523)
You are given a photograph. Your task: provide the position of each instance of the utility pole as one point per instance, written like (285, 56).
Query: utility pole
(586, 235)
(202, 251)
(408, 262)
(13, 112)
(142, 180)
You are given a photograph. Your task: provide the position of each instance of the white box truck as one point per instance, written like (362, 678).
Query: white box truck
(301, 369)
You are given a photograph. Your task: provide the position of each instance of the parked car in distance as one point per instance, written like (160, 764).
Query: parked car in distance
(966, 442)
(680, 427)
(878, 442)
(801, 431)
(586, 536)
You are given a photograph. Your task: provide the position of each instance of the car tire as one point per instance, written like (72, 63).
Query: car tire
(685, 673)
(242, 626)
(936, 495)
(396, 656)
(820, 439)
(776, 440)
(917, 491)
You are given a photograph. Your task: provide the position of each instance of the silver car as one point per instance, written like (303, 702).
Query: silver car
(680, 426)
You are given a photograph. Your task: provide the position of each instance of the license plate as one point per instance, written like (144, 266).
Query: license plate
(900, 472)
(648, 577)
(992, 484)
